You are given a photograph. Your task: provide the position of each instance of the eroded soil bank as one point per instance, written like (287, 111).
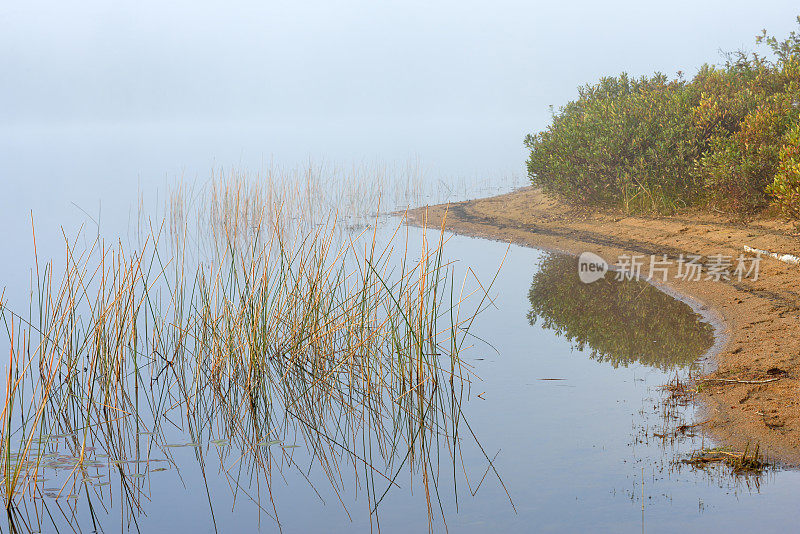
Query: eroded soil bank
(761, 317)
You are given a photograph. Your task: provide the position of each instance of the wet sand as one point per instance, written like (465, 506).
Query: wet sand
(760, 318)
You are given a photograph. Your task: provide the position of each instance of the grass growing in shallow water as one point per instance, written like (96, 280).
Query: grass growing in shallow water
(248, 332)
(745, 462)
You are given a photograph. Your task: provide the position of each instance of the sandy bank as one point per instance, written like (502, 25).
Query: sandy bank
(762, 317)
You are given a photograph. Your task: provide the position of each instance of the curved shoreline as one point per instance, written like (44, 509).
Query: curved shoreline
(757, 322)
(709, 315)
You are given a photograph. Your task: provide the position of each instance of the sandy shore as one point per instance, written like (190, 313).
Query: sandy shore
(761, 318)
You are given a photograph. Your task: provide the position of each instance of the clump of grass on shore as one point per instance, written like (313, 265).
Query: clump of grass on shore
(682, 392)
(745, 462)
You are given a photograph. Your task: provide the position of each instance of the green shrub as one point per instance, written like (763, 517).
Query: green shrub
(655, 144)
(623, 142)
(736, 168)
(785, 189)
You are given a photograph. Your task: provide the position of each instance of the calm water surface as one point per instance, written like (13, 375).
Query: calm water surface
(107, 104)
(566, 403)
(565, 399)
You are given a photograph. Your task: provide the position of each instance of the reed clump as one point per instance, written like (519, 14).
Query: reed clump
(230, 323)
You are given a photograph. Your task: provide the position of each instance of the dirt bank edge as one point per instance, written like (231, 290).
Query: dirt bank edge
(759, 319)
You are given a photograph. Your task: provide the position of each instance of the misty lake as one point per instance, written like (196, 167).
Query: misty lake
(558, 420)
(216, 320)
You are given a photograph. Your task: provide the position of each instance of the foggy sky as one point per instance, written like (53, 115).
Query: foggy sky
(151, 60)
(102, 100)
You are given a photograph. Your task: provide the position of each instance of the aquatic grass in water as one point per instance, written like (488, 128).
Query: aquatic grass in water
(233, 203)
(252, 333)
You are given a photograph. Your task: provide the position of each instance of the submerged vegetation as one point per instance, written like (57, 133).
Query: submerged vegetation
(620, 322)
(728, 138)
(229, 325)
(745, 462)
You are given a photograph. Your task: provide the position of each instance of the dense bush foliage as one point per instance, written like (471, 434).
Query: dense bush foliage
(728, 137)
(785, 190)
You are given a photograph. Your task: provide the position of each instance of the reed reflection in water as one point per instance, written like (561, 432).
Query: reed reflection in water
(256, 345)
